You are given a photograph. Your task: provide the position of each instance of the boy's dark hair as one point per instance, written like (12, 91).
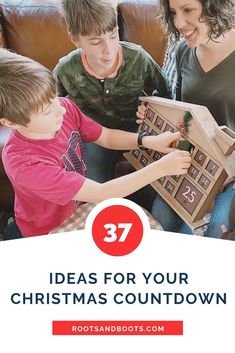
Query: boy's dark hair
(84, 17)
(25, 85)
(218, 15)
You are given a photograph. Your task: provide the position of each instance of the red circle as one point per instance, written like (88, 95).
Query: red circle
(117, 230)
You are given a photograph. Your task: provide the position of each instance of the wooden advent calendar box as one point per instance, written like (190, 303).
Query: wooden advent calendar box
(211, 146)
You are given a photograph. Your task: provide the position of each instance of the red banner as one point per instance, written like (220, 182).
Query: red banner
(117, 327)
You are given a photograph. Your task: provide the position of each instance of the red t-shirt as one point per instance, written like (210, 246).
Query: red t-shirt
(47, 174)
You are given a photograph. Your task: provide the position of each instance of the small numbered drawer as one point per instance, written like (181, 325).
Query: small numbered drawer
(154, 133)
(188, 196)
(193, 171)
(136, 153)
(150, 114)
(170, 187)
(200, 157)
(176, 177)
(143, 160)
(159, 122)
(145, 127)
(161, 180)
(157, 156)
(169, 128)
(204, 181)
(148, 151)
(212, 167)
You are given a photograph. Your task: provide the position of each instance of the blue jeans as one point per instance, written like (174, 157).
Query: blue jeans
(101, 162)
(171, 221)
(220, 212)
(168, 218)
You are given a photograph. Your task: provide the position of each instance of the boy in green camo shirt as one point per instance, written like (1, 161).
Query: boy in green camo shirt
(104, 76)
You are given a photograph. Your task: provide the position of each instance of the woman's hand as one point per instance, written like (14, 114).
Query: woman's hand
(140, 113)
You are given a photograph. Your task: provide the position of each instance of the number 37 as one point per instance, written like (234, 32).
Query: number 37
(111, 232)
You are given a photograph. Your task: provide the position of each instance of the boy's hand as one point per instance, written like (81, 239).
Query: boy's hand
(140, 113)
(165, 142)
(175, 163)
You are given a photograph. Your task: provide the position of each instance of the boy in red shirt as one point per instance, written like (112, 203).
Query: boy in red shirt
(45, 158)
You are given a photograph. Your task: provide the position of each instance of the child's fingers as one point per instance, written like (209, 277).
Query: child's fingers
(174, 144)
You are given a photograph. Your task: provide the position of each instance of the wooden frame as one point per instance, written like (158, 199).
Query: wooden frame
(213, 159)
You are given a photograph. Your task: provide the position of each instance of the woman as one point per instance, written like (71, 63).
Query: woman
(205, 63)
(205, 59)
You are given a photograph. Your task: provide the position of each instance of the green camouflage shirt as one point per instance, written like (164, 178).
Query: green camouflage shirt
(115, 104)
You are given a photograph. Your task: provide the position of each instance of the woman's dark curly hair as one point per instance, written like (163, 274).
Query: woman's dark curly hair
(218, 15)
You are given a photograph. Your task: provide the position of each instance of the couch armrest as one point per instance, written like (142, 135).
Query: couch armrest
(6, 190)
(4, 133)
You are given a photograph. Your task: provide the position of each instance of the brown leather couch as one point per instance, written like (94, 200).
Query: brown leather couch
(35, 28)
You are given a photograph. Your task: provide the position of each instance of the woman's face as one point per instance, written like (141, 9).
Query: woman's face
(186, 16)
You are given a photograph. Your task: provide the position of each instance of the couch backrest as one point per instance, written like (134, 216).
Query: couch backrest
(36, 29)
(139, 23)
